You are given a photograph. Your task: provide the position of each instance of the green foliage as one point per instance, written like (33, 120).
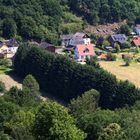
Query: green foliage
(127, 61)
(9, 28)
(137, 50)
(117, 48)
(106, 43)
(4, 136)
(111, 57)
(7, 109)
(125, 29)
(66, 79)
(125, 46)
(30, 83)
(112, 132)
(22, 97)
(37, 19)
(5, 62)
(94, 123)
(2, 86)
(96, 11)
(93, 62)
(52, 121)
(20, 125)
(85, 104)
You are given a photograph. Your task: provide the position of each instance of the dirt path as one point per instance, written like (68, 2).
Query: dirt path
(10, 80)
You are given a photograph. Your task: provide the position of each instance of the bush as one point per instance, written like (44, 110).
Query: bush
(111, 57)
(85, 104)
(93, 62)
(2, 87)
(127, 61)
(5, 62)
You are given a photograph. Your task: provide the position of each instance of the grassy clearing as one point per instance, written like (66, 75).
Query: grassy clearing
(4, 69)
(131, 73)
(11, 80)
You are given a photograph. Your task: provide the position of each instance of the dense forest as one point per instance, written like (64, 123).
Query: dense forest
(104, 11)
(37, 19)
(48, 19)
(66, 79)
(100, 106)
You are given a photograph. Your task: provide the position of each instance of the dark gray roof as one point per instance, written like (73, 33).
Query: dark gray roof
(79, 34)
(73, 36)
(119, 38)
(45, 45)
(9, 43)
(66, 37)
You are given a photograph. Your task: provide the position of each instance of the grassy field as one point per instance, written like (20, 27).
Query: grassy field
(10, 81)
(131, 73)
(8, 78)
(4, 69)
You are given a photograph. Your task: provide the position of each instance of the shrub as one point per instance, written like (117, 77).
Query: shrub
(93, 62)
(111, 57)
(127, 61)
(5, 62)
(2, 86)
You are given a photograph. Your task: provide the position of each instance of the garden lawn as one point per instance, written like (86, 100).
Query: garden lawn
(4, 69)
(131, 73)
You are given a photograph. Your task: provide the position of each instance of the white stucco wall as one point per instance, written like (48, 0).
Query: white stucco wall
(87, 40)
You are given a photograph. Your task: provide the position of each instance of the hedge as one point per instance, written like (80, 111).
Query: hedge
(65, 79)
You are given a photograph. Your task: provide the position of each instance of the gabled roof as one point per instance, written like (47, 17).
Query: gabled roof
(136, 41)
(45, 45)
(9, 43)
(119, 38)
(66, 37)
(79, 35)
(85, 49)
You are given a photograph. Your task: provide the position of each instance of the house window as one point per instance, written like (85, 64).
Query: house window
(86, 50)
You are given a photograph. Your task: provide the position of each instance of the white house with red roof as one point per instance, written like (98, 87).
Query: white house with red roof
(83, 51)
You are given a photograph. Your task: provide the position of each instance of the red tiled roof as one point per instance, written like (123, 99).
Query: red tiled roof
(84, 49)
(103, 56)
(136, 41)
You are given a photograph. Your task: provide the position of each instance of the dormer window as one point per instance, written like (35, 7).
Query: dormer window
(86, 50)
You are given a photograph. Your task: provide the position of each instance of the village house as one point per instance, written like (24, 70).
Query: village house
(118, 38)
(8, 48)
(47, 46)
(137, 29)
(66, 39)
(77, 38)
(136, 41)
(83, 51)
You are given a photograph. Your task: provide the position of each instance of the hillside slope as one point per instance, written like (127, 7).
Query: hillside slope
(48, 19)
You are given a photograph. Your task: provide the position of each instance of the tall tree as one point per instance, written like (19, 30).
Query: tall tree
(52, 121)
(9, 28)
(30, 83)
(85, 104)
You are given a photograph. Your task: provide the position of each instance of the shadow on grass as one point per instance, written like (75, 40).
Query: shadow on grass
(124, 65)
(14, 76)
